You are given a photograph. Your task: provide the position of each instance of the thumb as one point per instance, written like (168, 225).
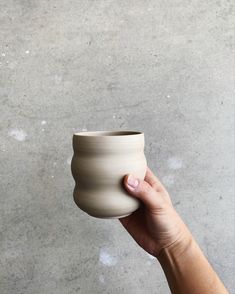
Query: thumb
(143, 191)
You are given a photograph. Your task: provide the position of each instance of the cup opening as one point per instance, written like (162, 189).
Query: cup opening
(108, 133)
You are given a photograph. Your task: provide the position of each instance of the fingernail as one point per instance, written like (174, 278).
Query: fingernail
(132, 182)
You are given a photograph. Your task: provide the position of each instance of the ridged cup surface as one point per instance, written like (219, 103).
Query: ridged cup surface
(100, 161)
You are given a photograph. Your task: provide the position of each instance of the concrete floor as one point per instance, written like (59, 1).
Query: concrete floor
(163, 67)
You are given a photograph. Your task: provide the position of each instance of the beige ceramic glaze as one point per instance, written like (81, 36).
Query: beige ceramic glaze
(100, 161)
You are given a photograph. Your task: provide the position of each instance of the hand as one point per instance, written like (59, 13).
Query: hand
(156, 224)
(159, 230)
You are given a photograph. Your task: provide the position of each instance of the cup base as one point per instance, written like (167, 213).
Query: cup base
(110, 217)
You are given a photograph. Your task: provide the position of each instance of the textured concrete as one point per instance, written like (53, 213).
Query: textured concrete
(163, 67)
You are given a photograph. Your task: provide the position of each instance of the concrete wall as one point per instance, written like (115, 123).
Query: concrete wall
(163, 67)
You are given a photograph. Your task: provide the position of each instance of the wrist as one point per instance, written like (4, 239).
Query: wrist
(187, 270)
(177, 248)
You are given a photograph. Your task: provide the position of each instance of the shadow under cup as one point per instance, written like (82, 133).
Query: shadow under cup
(101, 159)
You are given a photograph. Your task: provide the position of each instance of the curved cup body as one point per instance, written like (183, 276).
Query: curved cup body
(100, 161)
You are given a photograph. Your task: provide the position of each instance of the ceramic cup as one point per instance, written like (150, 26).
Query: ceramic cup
(100, 161)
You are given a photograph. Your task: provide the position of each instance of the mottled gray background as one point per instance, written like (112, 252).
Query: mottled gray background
(163, 67)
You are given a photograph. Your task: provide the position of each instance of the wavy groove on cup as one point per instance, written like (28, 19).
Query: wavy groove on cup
(100, 161)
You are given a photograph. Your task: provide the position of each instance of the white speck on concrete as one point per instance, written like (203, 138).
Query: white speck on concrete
(11, 254)
(175, 163)
(18, 134)
(168, 180)
(58, 79)
(42, 130)
(43, 122)
(102, 279)
(52, 177)
(3, 54)
(27, 51)
(69, 159)
(107, 259)
(168, 96)
(12, 65)
(114, 116)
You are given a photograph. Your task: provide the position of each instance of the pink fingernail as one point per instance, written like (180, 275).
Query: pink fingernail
(132, 182)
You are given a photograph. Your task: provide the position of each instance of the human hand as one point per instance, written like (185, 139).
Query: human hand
(156, 224)
(159, 230)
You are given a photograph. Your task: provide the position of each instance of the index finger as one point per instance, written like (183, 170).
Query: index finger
(153, 180)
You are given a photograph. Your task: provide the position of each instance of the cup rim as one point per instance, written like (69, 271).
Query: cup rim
(108, 133)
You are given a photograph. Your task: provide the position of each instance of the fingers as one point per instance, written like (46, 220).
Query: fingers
(144, 191)
(153, 180)
(156, 184)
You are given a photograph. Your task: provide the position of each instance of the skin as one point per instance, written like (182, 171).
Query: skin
(159, 230)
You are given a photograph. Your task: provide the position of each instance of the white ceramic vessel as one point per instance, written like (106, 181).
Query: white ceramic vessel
(100, 161)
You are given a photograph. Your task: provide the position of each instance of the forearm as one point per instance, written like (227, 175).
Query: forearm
(187, 269)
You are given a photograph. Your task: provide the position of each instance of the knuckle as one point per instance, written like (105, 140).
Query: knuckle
(145, 188)
(157, 187)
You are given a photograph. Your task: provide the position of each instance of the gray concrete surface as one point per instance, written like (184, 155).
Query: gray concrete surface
(163, 67)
